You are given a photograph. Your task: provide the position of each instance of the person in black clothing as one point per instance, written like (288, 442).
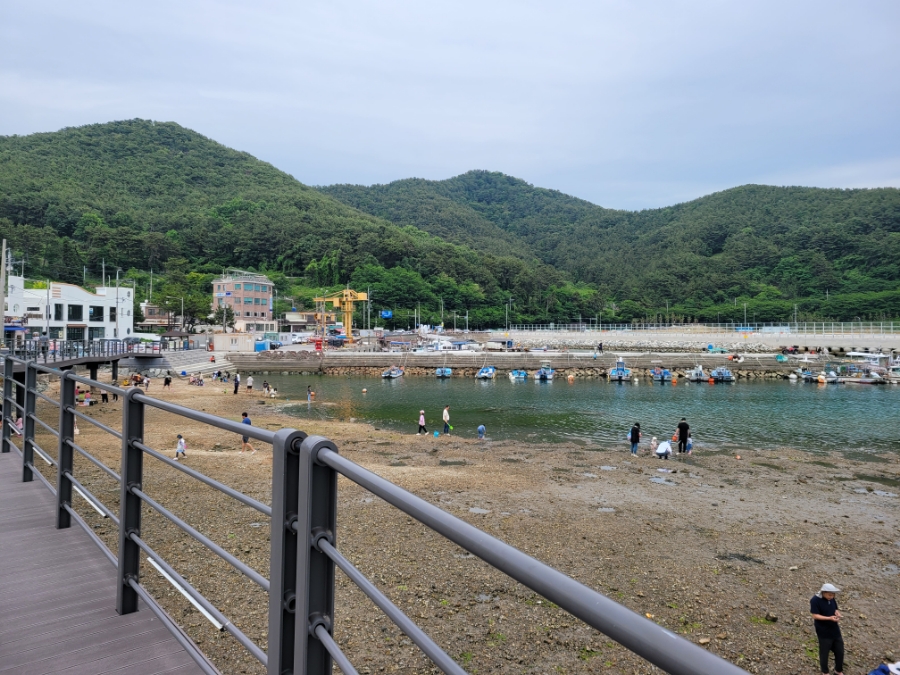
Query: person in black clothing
(826, 615)
(683, 429)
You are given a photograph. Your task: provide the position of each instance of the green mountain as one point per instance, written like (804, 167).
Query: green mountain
(758, 243)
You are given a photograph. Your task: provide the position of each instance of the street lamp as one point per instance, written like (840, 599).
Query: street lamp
(508, 305)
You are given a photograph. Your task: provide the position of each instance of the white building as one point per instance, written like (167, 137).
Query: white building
(69, 312)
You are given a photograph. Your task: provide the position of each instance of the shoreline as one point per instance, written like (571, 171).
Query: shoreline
(709, 552)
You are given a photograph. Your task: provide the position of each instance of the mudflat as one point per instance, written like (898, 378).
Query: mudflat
(724, 551)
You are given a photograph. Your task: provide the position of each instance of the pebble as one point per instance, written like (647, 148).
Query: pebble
(478, 510)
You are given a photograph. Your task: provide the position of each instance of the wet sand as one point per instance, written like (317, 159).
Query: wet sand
(726, 552)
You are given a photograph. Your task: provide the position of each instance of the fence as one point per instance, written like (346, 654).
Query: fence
(304, 553)
(828, 328)
(49, 351)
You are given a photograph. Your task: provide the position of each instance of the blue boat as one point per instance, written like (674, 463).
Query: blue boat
(620, 373)
(392, 372)
(444, 372)
(518, 374)
(661, 375)
(544, 373)
(721, 374)
(486, 373)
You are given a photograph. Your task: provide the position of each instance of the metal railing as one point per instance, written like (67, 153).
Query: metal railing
(786, 328)
(52, 351)
(304, 552)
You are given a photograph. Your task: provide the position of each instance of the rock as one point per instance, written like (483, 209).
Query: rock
(722, 636)
(772, 618)
(793, 568)
(704, 641)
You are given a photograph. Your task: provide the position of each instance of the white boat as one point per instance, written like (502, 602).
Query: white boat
(544, 373)
(721, 374)
(661, 375)
(518, 375)
(444, 372)
(392, 372)
(697, 374)
(486, 373)
(864, 368)
(620, 373)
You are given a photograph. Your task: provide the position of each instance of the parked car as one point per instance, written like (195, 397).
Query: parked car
(275, 344)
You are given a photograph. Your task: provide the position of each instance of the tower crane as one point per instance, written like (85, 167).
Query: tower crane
(343, 300)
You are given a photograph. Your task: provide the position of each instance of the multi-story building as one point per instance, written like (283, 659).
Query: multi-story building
(69, 312)
(156, 318)
(249, 296)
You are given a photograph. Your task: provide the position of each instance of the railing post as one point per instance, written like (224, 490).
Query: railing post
(130, 504)
(284, 550)
(7, 402)
(316, 519)
(28, 422)
(65, 453)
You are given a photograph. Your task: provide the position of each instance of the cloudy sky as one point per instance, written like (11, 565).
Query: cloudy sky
(626, 104)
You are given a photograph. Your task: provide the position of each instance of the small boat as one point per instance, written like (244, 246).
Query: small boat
(444, 372)
(518, 374)
(806, 375)
(392, 372)
(544, 373)
(661, 375)
(828, 376)
(486, 373)
(697, 374)
(620, 373)
(867, 371)
(721, 374)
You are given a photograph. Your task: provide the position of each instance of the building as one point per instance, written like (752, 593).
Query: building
(156, 317)
(69, 312)
(250, 297)
(300, 322)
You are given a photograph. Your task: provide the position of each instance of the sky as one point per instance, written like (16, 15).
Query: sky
(627, 104)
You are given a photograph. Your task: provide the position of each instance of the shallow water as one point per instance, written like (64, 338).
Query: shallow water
(860, 421)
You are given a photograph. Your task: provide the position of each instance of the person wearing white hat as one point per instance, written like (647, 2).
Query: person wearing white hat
(826, 615)
(422, 429)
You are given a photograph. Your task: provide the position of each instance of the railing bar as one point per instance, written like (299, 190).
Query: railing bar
(87, 528)
(13, 446)
(407, 625)
(240, 566)
(227, 425)
(231, 492)
(39, 450)
(192, 649)
(42, 479)
(22, 408)
(99, 506)
(111, 388)
(340, 659)
(100, 465)
(99, 425)
(200, 600)
(47, 399)
(45, 425)
(649, 640)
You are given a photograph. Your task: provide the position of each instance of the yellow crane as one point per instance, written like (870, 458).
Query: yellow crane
(343, 300)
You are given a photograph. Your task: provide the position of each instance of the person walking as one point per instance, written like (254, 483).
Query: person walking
(237, 382)
(249, 384)
(824, 609)
(309, 393)
(245, 440)
(167, 382)
(422, 429)
(600, 347)
(446, 417)
(180, 448)
(683, 432)
(635, 437)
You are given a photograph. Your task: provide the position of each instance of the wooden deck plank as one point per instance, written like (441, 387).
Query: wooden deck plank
(58, 596)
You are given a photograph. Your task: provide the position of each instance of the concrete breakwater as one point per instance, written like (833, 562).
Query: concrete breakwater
(467, 365)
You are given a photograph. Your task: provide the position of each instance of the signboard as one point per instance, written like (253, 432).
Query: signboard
(387, 314)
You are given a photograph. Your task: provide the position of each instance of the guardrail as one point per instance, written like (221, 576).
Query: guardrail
(50, 351)
(829, 328)
(304, 552)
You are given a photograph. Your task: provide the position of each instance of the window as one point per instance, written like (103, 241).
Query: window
(255, 301)
(237, 287)
(248, 301)
(246, 313)
(76, 313)
(97, 333)
(95, 313)
(55, 333)
(74, 333)
(256, 288)
(58, 312)
(112, 313)
(32, 309)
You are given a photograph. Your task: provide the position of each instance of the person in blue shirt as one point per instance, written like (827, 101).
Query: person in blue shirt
(245, 440)
(481, 431)
(825, 614)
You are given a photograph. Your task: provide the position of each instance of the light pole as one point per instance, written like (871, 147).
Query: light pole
(508, 305)
(745, 315)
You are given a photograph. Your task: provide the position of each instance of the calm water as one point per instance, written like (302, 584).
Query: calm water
(857, 419)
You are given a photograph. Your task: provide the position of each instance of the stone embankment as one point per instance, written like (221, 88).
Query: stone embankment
(566, 364)
(589, 341)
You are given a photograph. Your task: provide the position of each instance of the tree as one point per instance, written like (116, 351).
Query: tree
(224, 316)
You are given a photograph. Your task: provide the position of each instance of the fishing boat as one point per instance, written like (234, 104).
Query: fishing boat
(721, 374)
(806, 375)
(392, 372)
(661, 375)
(486, 373)
(864, 368)
(444, 372)
(620, 373)
(828, 375)
(544, 373)
(697, 374)
(518, 375)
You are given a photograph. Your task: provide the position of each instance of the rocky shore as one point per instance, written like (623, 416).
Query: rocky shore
(724, 551)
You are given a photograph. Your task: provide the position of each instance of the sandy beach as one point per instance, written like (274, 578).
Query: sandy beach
(725, 551)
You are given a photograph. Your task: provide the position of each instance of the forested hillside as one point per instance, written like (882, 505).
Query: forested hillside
(141, 195)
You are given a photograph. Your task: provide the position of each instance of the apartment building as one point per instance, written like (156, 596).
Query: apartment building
(249, 296)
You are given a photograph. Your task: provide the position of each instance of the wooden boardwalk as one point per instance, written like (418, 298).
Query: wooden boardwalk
(58, 597)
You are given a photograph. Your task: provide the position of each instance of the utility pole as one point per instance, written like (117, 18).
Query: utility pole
(103, 274)
(3, 289)
(467, 321)
(150, 299)
(118, 309)
(745, 314)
